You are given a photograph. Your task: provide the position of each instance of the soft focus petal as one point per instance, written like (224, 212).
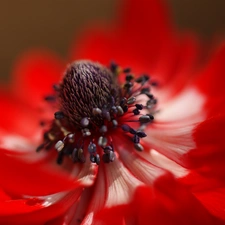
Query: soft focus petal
(37, 210)
(185, 107)
(179, 176)
(39, 178)
(146, 42)
(211, 80)
(161, 204)
(31, 179)
(214, 201)
(108, 45)
(34, 75)
(208, 157)
(17, 118)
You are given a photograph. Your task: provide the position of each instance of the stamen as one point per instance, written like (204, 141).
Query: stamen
(86, 132)
(113, 67)
(136, 111)
(127, 70)
(74, 155)
(145, 119)
(80, 154)
(115, 123)
(129, 77)
(139, 106)
(102, 141)
(108, 157)
(138, 147)
(131, 100)
(120, 111)
(136, 139)
(41, 146)
(84, 122)
(92, 148)
(103, 129)
(50, 98)
(92, 106)
(145, 90)
(126, 127)
(60, 157)
(59, 146)
(141, 134)
(106, 115)
(59, 115)
(93, 158)
(97, 111)
(143, 79)
(97, 159)
(56, 87)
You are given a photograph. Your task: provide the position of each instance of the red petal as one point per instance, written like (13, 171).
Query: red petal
(34, 178)
(104, 45)
(19, 206)
(35, 211)
(136, 41)
(17, 117)
(147, 24)
(171, 140)
(214, 201)
(4, 196)
(136, 14)
(143, 170)
(114, 215)
(167, 202)
(211, 80)
(92, 201)
(178, 62)
(145, 41)
(209, 156)
(34, 74)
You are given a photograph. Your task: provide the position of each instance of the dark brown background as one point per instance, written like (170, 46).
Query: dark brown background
(53, 23)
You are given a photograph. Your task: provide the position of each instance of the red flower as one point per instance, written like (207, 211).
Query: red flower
(178, 178)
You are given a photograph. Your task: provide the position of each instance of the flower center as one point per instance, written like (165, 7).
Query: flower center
(87, 86)
(94, 108)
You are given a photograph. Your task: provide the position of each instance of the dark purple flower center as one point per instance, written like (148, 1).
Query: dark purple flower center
(87, 86)
(93, 108)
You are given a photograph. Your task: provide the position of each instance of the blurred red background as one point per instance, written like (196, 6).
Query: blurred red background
(54, 23)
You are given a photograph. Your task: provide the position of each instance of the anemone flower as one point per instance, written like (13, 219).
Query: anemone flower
(139, 140)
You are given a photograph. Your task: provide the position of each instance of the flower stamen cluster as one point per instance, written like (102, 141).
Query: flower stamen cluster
(94, 108)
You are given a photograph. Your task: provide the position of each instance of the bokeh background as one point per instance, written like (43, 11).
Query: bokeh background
(54, 24)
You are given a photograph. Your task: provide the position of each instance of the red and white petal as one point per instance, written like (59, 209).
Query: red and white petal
(74, 215)
(37, 210)
(148, 165)
(18, 146)
(171, 141)
(95, 202)
(115, 185)
(120, 182)
(171, 134)
(186, 107)
(40, 177)
(167, 164)
(167, 202)
(138, 165)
